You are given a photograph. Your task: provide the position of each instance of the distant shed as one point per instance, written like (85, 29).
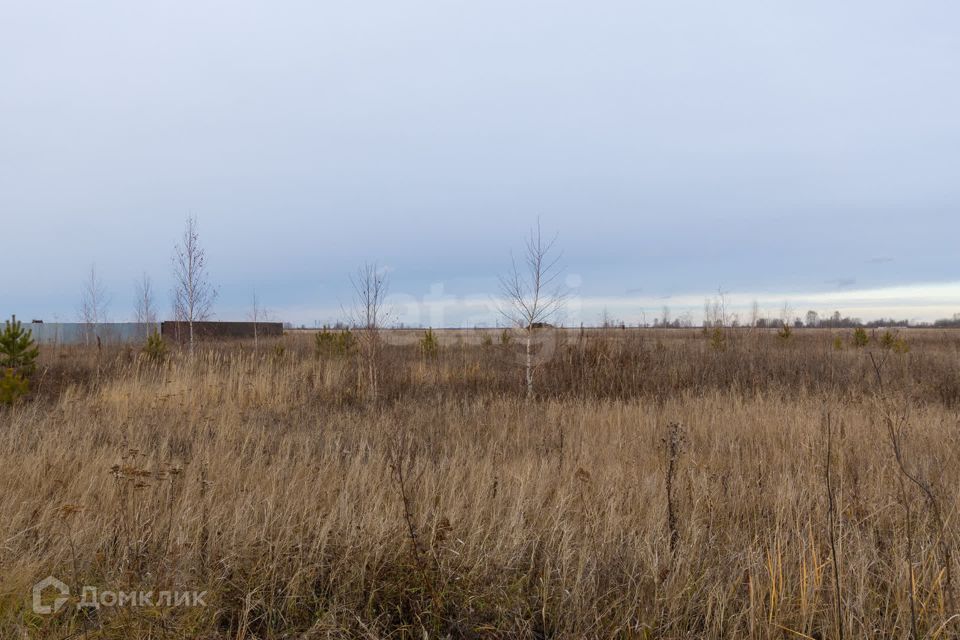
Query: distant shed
(179, 331)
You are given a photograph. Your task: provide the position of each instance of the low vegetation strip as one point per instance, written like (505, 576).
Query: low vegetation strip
(656, 486)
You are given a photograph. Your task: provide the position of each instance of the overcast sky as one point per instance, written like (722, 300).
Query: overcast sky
(798, 151)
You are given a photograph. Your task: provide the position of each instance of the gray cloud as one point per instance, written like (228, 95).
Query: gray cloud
(842, 283)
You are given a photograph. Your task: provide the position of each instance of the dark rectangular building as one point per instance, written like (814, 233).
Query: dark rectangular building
(179, 331)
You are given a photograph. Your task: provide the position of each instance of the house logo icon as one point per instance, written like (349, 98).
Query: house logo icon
(61, 599)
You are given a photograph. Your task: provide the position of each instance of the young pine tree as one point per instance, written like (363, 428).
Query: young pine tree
(18, 356)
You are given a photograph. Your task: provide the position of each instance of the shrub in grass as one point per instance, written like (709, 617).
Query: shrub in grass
(330, 343)
(718, 341)
(18, 361)
(155, 348)
(785, 332)
(860, 337)
(429, 345)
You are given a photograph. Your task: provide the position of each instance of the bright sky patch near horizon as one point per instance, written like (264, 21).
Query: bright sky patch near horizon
(798, 152)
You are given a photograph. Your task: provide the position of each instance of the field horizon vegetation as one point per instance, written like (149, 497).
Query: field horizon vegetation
(658, 483)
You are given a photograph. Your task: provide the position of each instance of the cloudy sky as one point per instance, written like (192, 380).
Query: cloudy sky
(797, 151)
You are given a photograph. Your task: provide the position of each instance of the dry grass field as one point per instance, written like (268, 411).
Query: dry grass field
(661, 484)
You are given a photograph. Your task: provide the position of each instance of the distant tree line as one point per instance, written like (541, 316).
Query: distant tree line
(948, 323)
(715, 316)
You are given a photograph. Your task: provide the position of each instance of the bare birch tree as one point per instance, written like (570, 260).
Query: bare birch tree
(193, 295)
(145, 310)
(786, 312)
(531, 297)
(754, 314)
(369, 315)
(93, 303)
(257, 315)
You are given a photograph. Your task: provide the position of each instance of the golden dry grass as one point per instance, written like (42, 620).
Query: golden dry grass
(452, 507)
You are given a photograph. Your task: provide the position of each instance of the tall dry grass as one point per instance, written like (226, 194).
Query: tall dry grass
(452, 507)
